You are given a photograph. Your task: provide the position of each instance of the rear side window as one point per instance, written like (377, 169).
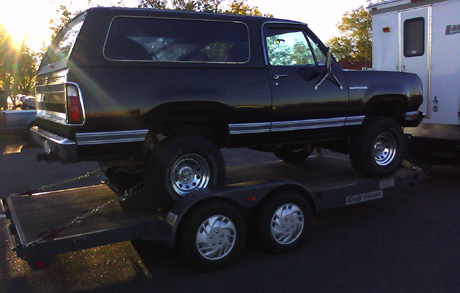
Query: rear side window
(63, 44)
(177, 40)
(414, 37)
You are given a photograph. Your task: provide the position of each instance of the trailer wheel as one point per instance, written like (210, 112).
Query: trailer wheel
(293, 154)
(213, 235)
(378, 149)
(182, 164)
(283, 221)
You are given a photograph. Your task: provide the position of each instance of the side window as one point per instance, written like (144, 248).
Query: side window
(414, 37)
(287, 47)
(177, 40)
(61, 48)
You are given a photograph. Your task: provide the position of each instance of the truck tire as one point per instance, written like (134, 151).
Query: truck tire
(293, 154)
(212, 235)
(283, 221)
(182, 164)
(379, 147)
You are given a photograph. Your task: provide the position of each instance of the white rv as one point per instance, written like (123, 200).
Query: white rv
(423, 37)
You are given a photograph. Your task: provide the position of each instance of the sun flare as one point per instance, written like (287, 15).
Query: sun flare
(21, 22)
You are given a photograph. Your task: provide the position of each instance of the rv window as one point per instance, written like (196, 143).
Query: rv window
(414, 37)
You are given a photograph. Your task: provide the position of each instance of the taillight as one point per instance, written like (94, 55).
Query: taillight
(74, 107)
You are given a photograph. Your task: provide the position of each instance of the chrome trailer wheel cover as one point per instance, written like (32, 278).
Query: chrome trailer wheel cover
(287, 224)
(385, 148)
(189, 173)
(216, 237)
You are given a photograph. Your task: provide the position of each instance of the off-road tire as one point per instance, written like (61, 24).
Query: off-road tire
(181, 164)
(378, 149)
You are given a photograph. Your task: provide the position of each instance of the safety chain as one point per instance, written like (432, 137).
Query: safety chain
(95, 173)
(53, 232)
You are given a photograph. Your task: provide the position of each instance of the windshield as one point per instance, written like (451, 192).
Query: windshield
(63, 44)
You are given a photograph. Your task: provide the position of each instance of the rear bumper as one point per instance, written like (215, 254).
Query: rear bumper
(56, 147)
(89, 146)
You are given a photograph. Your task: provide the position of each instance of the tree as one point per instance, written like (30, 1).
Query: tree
(63, 15)
(355, 41)
(6, 60)
(241, 7)
(155, 4)
(214, 6)
(187, 5)
(18, 66)
(25, 70)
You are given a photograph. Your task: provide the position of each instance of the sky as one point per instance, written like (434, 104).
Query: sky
(31, 17)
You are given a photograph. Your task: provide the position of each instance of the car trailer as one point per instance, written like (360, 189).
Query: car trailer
(209, 225)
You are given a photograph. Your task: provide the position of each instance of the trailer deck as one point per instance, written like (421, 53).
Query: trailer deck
(330, 182)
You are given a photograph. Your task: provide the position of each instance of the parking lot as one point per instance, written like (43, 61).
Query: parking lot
(408, 241)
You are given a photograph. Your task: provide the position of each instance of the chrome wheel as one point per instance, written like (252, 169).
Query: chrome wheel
(385, 148)
(287, 224)
(216, 237)
(189, 173)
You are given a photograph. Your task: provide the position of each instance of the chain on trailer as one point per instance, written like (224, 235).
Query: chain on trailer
(95, 173)
(53, 232)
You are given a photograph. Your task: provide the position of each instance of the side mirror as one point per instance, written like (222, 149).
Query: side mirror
(328, 71)
(328, 60)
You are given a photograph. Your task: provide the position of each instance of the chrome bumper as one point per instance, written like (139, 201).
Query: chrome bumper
(55, 146)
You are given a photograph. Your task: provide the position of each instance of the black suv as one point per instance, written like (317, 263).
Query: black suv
(155, 94)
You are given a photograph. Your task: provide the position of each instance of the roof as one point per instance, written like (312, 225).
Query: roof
(183, 14)
(397, 5)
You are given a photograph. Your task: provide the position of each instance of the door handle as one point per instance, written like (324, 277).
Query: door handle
(278, 76)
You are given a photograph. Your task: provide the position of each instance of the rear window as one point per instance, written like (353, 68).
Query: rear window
(63, 44)
(177, 40)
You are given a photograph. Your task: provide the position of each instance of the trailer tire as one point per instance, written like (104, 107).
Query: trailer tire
(182, 164)
(212, 235)
(293, 154)
(379, 147)
(283, 221)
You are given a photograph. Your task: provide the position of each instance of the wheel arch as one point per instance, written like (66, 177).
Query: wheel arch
(390, 105)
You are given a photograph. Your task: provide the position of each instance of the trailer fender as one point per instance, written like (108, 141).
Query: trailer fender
(242, 196)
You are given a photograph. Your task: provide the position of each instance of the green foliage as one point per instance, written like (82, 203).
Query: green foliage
(155, 4)
(18, 66)
(63, 15)
(214, 6)
(282, 54)
(355, 40)
(241, 7)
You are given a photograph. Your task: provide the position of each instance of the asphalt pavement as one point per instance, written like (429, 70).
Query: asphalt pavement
(409, 241)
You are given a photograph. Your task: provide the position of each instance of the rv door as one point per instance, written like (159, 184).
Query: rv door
(415, 49)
